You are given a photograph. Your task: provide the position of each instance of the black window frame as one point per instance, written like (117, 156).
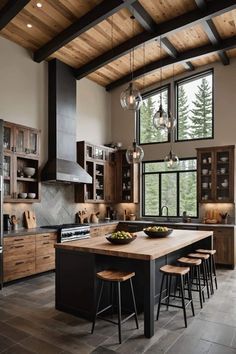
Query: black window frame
(159, 187)
(146, 95)
(188, 79)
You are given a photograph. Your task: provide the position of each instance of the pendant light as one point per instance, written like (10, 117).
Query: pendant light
(160, 118)
(171, 123)
(131, 98)
(171, 160)
(134, 154)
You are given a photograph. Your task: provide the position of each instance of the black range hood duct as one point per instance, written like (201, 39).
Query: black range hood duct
(62, 165)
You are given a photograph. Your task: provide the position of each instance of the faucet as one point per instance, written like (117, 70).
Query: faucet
(167, 211)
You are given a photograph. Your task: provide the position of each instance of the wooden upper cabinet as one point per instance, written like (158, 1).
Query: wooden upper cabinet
(21, 150)
(127, 179)
(216, 174)
(97, 161)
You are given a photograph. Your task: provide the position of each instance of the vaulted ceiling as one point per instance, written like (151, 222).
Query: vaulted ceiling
(99, 39)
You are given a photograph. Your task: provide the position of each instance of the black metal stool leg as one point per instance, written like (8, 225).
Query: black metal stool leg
(182, 296)
(190, 293)
(214, 270)
(205, 278)
(199, 285)
(134, 302)
(168, 290)
(160, 296)
(209, 271)
(119, 311)
(97, 308)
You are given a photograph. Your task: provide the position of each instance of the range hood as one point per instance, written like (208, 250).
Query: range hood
(62, 165)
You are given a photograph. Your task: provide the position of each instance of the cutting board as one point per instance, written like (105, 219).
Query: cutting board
(30, 219)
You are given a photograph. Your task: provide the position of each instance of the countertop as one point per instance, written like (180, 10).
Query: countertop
(25, 232)
(142, 247)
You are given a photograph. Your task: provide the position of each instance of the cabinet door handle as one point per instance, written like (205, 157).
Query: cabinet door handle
(46, 257)
(19, 239)
(45, 243)
(46, 235)
(20, 246)
(18, 263)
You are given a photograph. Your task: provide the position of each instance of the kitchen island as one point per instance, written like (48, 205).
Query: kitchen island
(77, 263)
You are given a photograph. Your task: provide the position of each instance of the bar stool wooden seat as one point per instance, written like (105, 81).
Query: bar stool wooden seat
(169, 271)
(212, 262)
(115, 277)
(194, 264)
(205, 270)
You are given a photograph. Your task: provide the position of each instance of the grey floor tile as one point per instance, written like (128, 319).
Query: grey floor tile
(5, 343)
(11, 332)
(17, 349)
(210, 331)
(39, 346)
(220, 349)
(189, 344)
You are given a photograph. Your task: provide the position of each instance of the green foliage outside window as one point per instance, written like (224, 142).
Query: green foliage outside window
(176, 189)
(149, 134)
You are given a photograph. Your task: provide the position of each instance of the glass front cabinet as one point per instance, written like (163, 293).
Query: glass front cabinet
(216, 174)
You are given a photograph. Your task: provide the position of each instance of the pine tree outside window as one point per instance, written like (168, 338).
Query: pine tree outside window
(151, 101)
(195, 107)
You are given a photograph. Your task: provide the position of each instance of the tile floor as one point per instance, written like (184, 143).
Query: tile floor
(29, 323)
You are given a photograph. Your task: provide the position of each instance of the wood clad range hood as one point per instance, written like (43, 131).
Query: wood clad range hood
(62, 166)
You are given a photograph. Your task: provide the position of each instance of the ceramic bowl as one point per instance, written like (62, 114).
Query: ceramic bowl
(157, 234)
(204, 172)
(224, 159)
(31, 195)
(117, 241)
(224, 184)
(22, 195)
(29, 171)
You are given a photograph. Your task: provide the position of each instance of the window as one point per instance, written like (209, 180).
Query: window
(151, 102)
(195, 107)
(175, 189)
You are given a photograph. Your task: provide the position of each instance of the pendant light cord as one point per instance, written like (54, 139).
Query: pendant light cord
(132, 52)
(160, 73)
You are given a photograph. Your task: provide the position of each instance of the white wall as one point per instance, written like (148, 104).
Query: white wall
(23, 98)
(224, 109)
(23, 89)
(93, 112)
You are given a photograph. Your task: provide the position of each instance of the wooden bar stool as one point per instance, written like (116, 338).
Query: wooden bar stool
(170, 271)
(194, 264)
(205, 270)
(117, 277)
(212, 263)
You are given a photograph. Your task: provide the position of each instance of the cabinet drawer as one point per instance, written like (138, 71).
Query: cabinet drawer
(18, 269)
(44, 247)
(44, 263)
(18, 239)
(19, 251)
(47, 236)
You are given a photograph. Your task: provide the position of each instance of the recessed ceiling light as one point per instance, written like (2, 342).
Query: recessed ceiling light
(29, 25)
(39, 4)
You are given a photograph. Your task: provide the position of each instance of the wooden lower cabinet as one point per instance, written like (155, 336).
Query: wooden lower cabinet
(28, 255)
(45, 252)
(102, 230)
(18, 257)
(224, 243)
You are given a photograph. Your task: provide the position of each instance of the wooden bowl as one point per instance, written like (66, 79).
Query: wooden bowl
(120, 241)
(157, 234)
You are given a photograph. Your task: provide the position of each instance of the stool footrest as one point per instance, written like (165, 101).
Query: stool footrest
(114, 322)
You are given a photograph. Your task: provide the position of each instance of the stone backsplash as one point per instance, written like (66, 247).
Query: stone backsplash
(58, 207)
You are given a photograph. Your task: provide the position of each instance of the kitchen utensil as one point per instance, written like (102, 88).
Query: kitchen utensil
(30, 219)
(94, 218)
(29, 171)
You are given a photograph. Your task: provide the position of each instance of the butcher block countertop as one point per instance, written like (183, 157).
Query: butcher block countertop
(142, 247)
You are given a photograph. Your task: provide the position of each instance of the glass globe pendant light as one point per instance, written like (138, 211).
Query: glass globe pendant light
(134, 154)
(130, 98)
(160, 118)
(171, 160)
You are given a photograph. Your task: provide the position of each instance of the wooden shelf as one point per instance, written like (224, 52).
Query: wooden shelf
(26, 179)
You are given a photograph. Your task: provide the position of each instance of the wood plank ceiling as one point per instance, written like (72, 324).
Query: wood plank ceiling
(96, 37)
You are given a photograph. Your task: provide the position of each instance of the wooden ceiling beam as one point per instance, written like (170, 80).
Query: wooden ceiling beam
(99, 13)
(226, 44)
(172, 51)
(10, 10)
(213, 9)
(212, 33)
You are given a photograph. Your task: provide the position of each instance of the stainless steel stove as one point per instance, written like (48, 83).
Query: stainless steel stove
(70, 232)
